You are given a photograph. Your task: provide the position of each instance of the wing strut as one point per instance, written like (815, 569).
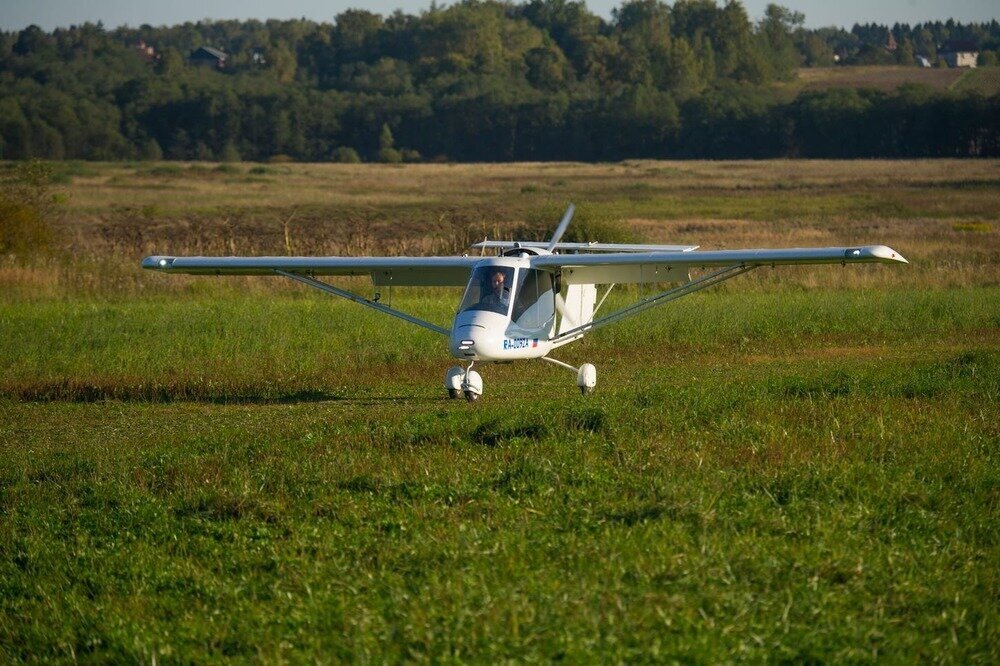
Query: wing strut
(703, 282)
(361, 300)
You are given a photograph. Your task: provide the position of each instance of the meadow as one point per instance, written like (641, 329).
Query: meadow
(798, 465)
(891, 77)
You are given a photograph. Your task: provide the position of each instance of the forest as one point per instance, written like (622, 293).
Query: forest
(485, 81)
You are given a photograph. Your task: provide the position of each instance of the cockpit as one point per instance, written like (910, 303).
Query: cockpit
(525, 295)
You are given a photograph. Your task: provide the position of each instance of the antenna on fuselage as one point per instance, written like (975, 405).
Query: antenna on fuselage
(561, 229)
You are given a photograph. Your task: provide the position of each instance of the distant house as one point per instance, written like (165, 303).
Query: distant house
(922, 61)
(208, 56)
(258, 55)
(145, 50)
(959, 53)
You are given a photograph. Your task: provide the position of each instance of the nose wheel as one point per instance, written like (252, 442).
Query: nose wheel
(463, 381)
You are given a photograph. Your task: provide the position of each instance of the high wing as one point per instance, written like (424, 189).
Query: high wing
(384, 271)
(582, 271)
(629, 267)
(395, 271)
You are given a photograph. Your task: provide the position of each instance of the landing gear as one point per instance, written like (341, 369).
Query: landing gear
(586, 378)
(586, 374)
(453, 381)
(472, 385)
(461, 381)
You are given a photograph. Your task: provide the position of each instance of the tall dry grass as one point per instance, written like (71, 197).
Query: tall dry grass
(942, 215)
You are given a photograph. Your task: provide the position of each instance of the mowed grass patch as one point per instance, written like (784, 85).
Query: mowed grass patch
(879, 77)
(985, 80)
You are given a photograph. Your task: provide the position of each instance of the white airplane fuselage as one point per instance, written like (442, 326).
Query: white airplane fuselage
(488, 329)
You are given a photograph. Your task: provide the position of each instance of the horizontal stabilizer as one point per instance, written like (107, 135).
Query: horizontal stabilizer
(582, 247)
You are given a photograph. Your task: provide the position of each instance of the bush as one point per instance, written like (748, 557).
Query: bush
(230, 153)
(25, 208)
(151, 151)
(410, 155)
(346, 155)
(280, 158)
(586, 226)
(389, 156)
(586, 229)
(23, 230)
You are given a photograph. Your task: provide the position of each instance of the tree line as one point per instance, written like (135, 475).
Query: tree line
(481, 81)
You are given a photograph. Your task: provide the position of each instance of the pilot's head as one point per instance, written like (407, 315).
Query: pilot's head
(496, 281)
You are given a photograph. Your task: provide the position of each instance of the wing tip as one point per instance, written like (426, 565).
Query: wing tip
(887, 254)
(157, 263)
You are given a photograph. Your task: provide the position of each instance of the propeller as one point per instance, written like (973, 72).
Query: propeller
(561, 229)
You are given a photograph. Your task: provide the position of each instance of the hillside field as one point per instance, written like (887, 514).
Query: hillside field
(985, 80)
(799, 465)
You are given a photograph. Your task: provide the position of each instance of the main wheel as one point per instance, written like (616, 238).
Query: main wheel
(471, 396)
(586, 378)
(453, 381)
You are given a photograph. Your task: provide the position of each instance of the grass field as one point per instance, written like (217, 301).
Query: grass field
(800, 465)
(888, 78)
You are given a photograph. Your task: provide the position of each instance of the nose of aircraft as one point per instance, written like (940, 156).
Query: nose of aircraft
(476, 333)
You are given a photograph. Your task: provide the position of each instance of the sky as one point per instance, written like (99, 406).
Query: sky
(50, 14)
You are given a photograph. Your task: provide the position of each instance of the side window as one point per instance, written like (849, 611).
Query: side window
(534, 301)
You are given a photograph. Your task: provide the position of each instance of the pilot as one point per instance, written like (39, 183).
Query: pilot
(498, 297)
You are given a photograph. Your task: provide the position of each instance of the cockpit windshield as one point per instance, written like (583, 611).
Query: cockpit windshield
(530, 301)
(489, 289)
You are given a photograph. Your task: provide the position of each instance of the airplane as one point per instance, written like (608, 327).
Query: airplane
(531, 298)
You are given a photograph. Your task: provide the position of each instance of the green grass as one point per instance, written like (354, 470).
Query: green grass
(799, 465)
(220, 345)
(800, 476)
(985, 80)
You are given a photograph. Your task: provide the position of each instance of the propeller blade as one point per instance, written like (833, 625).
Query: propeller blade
(561, 229)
